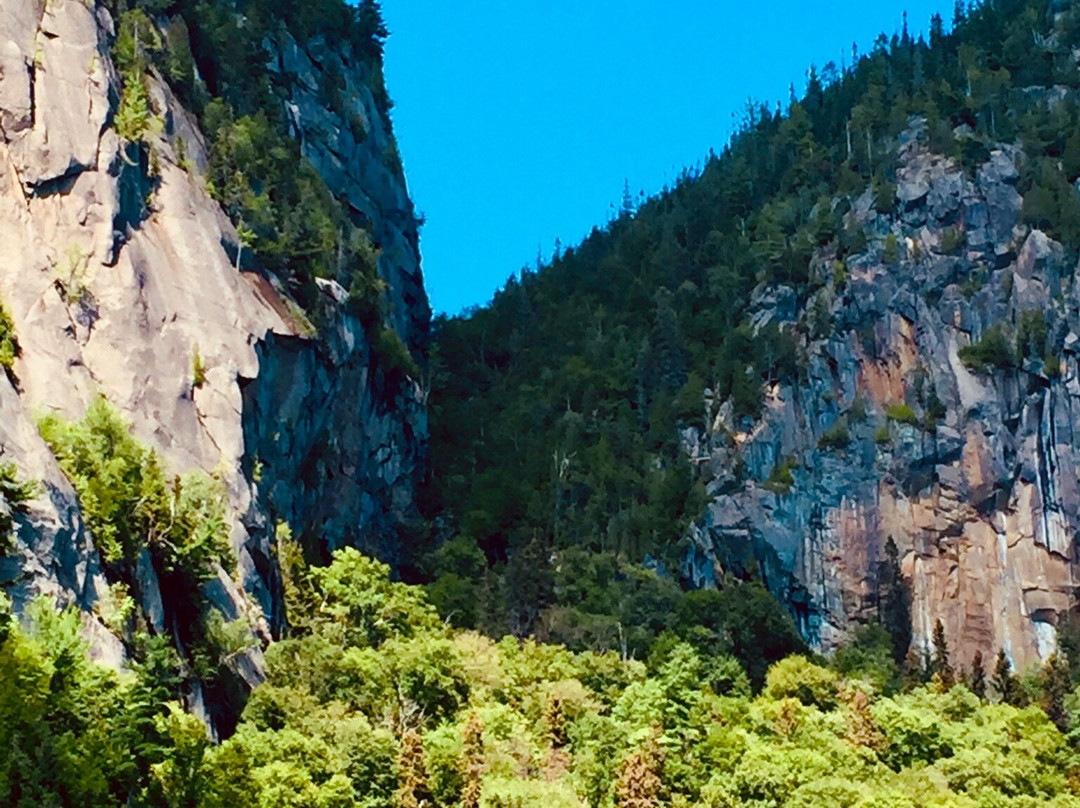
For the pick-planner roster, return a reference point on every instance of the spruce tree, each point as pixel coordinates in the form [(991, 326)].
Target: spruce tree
[(894, 611), (942, 668), (978, 676), (1003, 681), (912, 672), (1055, 687)]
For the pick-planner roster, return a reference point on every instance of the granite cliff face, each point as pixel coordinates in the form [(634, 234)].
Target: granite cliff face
[(889, 434), (301, 425)]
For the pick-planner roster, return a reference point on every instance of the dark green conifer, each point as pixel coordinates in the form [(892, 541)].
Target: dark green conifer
[(978, 676)]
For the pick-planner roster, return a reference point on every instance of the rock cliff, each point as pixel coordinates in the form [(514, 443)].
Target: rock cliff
[(968, 466), (216, 368)]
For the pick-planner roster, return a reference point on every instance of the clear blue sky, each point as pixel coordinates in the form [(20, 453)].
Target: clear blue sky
[(519, 120)]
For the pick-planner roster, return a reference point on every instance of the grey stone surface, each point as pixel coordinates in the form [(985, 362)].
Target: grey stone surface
[(984, 505), (107, 301)]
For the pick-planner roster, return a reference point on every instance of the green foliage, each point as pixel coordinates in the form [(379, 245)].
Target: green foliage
[(198, 369), (797, 677), (953, 240), (992, 352), (134, 118), (1032, 337), (869, 657), (137, 43), (835, 438), (357, 594), (9, 345), (902, 413), (890, 252), (780, 478), (374, 703), (15, 493), (121, 487), (281, 206), (393, 355), (128, 502)]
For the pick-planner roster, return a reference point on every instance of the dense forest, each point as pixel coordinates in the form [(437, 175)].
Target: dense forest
[(541, 647), (559, 472), (373, 701)]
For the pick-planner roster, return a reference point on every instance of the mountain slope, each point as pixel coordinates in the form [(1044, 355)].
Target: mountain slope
[(850, 327)]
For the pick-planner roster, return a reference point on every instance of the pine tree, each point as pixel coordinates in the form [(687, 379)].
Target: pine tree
[(942, 668), (1055, 687), (472, 763), (1003, 681), (412, 773), (894, 611), (978, 676), (369, 20)]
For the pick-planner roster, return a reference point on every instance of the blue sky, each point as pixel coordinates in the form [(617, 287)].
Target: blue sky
[(520, 120)]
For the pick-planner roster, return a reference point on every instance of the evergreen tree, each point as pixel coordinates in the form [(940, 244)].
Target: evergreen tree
[(5, 618), (894, 610), (371, 25), (941, 666), (1055, 687), (978, 676), (1003, 681), (530, 586)]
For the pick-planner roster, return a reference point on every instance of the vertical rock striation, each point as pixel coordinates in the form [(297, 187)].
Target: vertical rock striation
[(972, 472), (303, 428)]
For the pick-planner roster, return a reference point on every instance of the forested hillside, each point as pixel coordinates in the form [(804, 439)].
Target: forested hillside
[(584, 419), (372, 701)]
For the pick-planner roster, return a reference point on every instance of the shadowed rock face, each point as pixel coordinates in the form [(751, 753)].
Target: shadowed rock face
[(108, 301), (979, 491)]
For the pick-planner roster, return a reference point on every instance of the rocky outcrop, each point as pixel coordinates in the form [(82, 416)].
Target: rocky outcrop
[(112, 299), (889, 434)]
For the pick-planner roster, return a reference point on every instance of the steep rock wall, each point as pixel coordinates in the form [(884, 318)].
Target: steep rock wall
[(972, 475), (110, 300)]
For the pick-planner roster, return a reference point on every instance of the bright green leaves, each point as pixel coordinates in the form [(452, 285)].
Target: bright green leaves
[(9, 345), (359, 597), (137, 43), (127, 500), (120, 483)]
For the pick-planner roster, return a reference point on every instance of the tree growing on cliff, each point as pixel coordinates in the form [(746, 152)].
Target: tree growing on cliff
[(894, 603)]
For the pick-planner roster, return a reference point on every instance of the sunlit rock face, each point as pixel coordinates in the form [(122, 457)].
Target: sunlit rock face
[(112, 299), (973, 474)]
